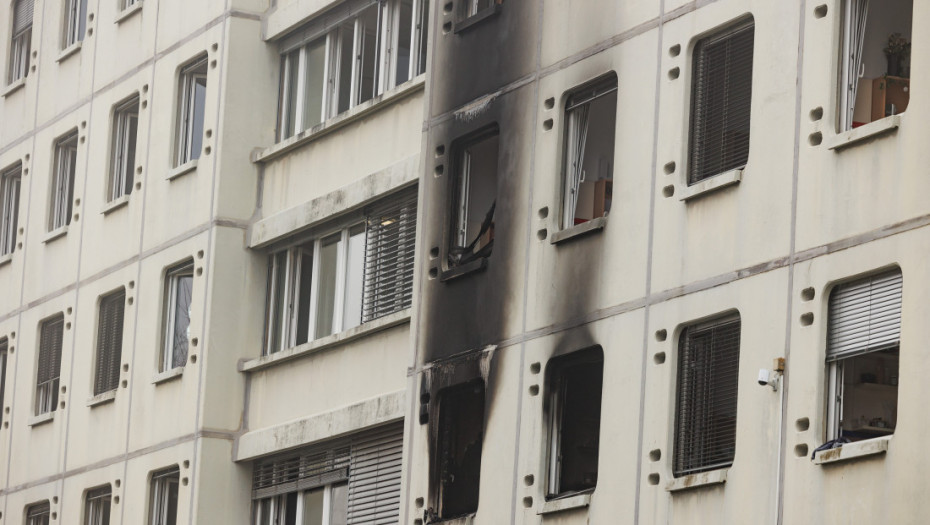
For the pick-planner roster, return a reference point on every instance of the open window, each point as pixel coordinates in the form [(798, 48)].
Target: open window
[(588, 164), (458, 449), (48, 367), (62, 191), (875, 61), (9, 207), (192, 99), (75, 22), (123, 148), (163, 497), (575, 383), (862, 357), (20, 40), (474, 196), (97, 506), (179, 287)]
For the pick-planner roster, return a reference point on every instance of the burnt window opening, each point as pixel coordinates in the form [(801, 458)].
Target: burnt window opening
[(474, 197), (863, 353), (708, 380), (575, 385), (588, 164), (460, 436), (721, 102)]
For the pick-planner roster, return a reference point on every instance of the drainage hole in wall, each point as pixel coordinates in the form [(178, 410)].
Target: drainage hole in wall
[(661, 335), (669, 168), (542, 234), (668, 191), (535, 368), (653, 479), (547, 124), (820, 11), (807, 319), (815, 139), (816, 114), (534, 390), (659, 358), (543, 212), (800, 450), (674, 73), (655, 455), (528, 480), (807, 294), (528, 502), (802, 424), (674, 51)]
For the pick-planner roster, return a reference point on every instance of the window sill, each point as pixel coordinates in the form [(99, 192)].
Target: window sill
[(102, 398), (464, 269), (128, 12), (68, 51), (187, 167), (864, 133), (468, 519), (41, 419), (168, 375), (115, 204), (13, 86), (711, 184), (850, 451), (594, 225), (324, 343), (694, 481), (363, 110), (476, 18), (55, 234), (578, 501), (6, 259)]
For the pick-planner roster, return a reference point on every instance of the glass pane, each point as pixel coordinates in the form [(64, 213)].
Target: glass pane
[(326, 284), (424, 30), (129, 159), (313, 507), (368, 57), (291, 70), (171, 507), (339, 504), (303, 297), (279, 306), (404, 30), (314, 81), (355, 268), (345, 67), (184, 285), (199, 100)]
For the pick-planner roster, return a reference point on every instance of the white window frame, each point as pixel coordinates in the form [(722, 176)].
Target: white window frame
[(126, 4), (46, 399), (161, 486), (97, 505), (125, 120), (190, 76), (278, 506), (74, 27), (10, 182), (62, 181), (20, 47), (172, 277), (38, 513)]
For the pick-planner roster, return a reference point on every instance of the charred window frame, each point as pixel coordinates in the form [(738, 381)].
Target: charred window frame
[(459, 442), (192, 99), (575, 384), (721, 102), (38, 513), (123, 148), (20, 40), (179, 290), (474, 196), (862, 358), (109, 341), (329, 67), (163, 497), (75, 23), (97, 506), (9, 207), (708, 380), (588, 159), (62, 188), (48, 366)]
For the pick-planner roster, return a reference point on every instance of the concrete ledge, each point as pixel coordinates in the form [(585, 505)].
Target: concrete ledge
[(461, 520), (464, 269), (168, 375), (711, 184), (35, 421), (321, 427), (6, 259), (68, 51), (693, 481), (13, 86), (578, 501), (55, 234), (115, 204), (863, 133), (187, 167), (594, 225), (128, 12), (100, 399), (850, 451)]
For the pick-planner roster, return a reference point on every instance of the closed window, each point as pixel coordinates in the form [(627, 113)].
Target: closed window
[(179, 286), (588, 166), (38, 513), (20, 40), (192, 97), (863, 343), (458, 449), (328, 67), (163, 500), (62, 189), (123, 153), (708, 377), (109, 341), (474, 196), (74, 22), (97, 506), (51, 333), (721, 100), (9, 208)]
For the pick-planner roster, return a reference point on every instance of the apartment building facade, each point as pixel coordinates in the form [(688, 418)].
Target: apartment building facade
[(470, 261)]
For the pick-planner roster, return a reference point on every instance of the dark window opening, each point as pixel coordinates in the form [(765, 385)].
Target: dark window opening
[(474, 197), (461, 431)]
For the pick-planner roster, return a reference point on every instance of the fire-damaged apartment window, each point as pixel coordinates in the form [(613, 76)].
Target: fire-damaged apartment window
[(588, 165), (574, 418), (708, 380), (457, 461), (348, 56), (862, 357), (342, 275), (875, 60), (350, 481), (474, 196)]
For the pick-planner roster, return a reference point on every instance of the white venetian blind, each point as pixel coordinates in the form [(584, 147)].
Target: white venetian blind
[(865, 316), (22, 15), (374, 477)]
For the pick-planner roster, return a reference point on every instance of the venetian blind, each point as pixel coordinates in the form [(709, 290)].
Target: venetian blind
[(109, 342), (22, 16), (50, 339), (389, 251), (375, 475), (865, 316)]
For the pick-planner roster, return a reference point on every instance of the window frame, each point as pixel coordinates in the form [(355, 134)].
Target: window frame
[(445, 444), (46, 392), (126, 4), (74, 23), (61, 196), (173, 275), (10, 186), (161, 484), (20, 44), (190, 76), (123, 148), (460, 192), (109, 347), (277, 505), (37, 513), (97, 505), (4, 356)]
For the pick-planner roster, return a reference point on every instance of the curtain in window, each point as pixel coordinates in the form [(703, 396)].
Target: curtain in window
[(857, 15), (577, 136)]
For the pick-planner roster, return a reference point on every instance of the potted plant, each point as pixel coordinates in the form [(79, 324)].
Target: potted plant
[(897, 52)]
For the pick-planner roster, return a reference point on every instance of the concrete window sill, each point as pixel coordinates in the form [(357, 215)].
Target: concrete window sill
[(577, 501), (68, 51), (12, 87), (694, 481), (578, 230), (102, 398), (187, 167), (55, 234), (115, 204), (864, 133), (6, 259), (850, 451), (41, 419), (129, 11), (464, 269), (461, 520), (323, 343), (477, 18), (168, 375), (711, 184)]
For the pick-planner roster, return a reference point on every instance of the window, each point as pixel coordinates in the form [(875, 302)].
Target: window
[(97, 506), (126, 4), (862, 357), (191, 102), (461, 431), (354, 480), (875, 61), (51, 332), (9, 208), (109, 342), (21, 41), (474, 197), (63, 181), (471, 8), (38, 513), (75, 22), (163, 504), (574, 412), (4, 352), (329, 67), (333, 282), (123, 153), (179, 286), (590, 120), (708, 377), (721, 100)]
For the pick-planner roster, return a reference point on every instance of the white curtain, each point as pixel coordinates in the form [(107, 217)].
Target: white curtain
[(574, 154), (857, 15)]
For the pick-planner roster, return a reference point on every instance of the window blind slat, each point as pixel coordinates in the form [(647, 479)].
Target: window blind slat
[(22, 15), (389, 255), (865, 315)]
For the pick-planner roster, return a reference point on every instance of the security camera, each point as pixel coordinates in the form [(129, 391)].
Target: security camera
[(769, 378), (764, 376)]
